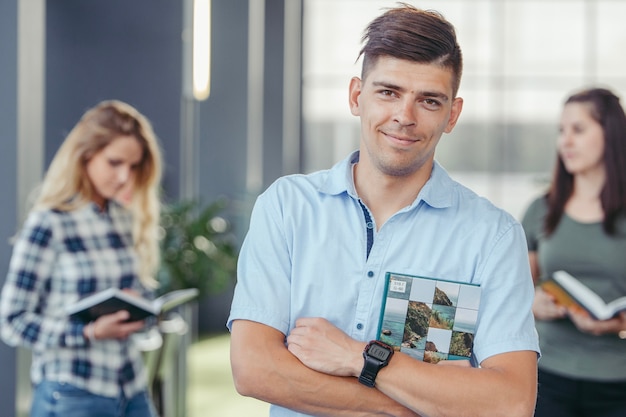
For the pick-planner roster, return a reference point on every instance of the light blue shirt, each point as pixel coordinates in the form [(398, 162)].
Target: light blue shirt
[(305, 256)]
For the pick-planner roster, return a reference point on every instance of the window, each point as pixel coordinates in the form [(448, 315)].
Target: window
[(521, 59)]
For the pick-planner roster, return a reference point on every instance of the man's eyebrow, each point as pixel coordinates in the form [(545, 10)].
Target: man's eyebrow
[(387, 85), (429, 94), (435, 94)]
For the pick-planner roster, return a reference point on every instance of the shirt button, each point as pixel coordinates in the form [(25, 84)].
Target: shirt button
[(359, 326), (370, 273), (370, 225)]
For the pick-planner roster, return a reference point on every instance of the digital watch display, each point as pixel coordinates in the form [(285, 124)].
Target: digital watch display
[(376, 356)]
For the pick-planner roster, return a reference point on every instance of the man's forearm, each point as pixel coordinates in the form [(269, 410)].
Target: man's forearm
[(505, 387), (269, 372)]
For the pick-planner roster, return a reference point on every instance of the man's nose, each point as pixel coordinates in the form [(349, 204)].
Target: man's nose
[(405, 113)]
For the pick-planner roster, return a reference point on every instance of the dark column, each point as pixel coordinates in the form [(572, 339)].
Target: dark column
[(116, 49), (248, 129), (8, 184)]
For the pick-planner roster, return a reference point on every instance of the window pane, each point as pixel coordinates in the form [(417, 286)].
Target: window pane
[(521, 59)]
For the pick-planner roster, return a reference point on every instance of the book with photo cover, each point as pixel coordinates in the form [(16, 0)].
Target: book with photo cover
[(114, 299), (429, 319), (571, 293)]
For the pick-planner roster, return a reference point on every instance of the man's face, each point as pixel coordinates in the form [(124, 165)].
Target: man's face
[(404, 108)]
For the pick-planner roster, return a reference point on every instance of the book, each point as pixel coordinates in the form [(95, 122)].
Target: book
[(429, 319), (114, 299), (571, 293)]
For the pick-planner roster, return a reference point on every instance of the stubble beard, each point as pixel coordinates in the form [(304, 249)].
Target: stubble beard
[(398, 167)]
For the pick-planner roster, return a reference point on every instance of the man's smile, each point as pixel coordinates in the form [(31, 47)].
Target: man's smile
[(399, 138)]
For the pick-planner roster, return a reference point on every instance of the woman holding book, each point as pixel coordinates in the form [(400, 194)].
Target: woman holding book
[(579, 226), (78, 240)]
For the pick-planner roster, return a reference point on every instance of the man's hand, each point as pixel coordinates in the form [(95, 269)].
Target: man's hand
[(321, 346), (273, 374)]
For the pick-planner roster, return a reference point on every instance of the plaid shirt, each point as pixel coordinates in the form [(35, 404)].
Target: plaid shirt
[(58, 258)]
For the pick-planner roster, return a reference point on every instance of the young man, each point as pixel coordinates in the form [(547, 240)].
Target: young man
[(312, 267)]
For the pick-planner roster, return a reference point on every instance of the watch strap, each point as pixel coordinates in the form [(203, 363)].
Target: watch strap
[(370, 369), (373, 364)]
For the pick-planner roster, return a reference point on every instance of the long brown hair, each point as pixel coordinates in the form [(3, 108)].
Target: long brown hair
[(604, 108)]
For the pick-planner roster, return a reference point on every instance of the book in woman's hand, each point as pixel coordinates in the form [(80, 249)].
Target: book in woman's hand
[(112, 300), (571, 293)]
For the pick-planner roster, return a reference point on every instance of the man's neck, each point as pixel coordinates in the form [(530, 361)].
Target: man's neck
[(385, 195)]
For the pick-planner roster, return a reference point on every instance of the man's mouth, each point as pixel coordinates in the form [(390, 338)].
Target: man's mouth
[(402, 139)]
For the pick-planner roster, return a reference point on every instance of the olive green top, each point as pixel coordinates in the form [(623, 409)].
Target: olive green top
[(599, 261)]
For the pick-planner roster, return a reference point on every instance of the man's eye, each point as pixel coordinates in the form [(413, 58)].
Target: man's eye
[(431, 104)]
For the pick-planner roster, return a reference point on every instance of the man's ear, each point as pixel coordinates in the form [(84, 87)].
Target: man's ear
[(354, 94), (455, 112)]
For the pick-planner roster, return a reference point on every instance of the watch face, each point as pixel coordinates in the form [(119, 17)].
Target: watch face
[(378, 352)]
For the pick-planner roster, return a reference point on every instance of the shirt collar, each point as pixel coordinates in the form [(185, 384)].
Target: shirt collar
[(340, 177), (435, 193)]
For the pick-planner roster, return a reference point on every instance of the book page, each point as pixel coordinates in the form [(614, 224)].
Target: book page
[(583, 295)]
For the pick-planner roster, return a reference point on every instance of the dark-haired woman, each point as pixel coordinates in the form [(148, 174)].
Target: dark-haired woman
[(580, 226)]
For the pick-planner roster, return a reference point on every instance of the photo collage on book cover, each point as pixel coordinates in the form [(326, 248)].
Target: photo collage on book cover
[(429, 319)]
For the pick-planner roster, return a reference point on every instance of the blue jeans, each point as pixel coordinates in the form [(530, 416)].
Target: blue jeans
[(58, 399), (566, 397)]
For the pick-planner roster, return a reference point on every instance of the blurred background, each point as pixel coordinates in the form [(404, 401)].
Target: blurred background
[(243, 91)]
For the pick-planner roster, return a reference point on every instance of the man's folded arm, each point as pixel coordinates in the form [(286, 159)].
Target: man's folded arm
[(263, 368)]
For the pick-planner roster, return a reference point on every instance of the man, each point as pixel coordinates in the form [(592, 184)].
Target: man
[(312, 267)]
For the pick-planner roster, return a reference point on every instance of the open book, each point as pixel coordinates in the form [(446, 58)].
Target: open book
[(429, 319), (113, 299), (570, 292)]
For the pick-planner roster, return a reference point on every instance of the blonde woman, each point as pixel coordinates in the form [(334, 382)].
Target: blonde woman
[(77, 240)]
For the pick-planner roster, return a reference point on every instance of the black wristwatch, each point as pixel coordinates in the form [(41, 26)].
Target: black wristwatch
[(377, 355)]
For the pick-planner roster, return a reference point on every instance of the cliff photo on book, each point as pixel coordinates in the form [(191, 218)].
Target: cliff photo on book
[(429, 319)]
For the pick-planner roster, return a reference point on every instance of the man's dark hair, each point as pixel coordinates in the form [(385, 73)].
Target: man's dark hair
[(409, 33)]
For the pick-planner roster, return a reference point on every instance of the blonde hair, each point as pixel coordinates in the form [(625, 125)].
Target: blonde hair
[(67, 187)]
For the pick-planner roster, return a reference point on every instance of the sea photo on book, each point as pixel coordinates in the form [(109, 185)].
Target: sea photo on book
[(429, 319)]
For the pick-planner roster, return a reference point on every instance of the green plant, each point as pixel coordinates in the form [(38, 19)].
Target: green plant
[(197, 247)]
